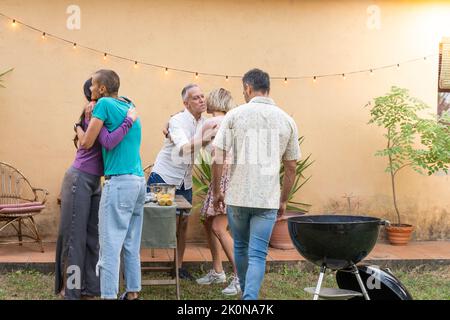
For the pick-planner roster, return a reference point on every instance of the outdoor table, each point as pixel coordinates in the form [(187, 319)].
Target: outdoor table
[(183, 206), (159, 226), (160, 230)]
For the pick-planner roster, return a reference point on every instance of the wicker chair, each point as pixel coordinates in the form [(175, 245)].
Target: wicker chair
[(147, 171), (19, 203)]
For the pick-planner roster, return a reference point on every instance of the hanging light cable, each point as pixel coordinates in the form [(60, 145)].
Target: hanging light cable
[(181, 70)]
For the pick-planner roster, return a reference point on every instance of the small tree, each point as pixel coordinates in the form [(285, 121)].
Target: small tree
[(412, 141), (1, 75)]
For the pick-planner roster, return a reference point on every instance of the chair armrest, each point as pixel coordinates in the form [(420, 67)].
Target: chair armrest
[(45, 193), (22, 210)]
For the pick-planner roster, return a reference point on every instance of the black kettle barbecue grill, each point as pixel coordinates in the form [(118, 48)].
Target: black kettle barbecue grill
[(339, 242)]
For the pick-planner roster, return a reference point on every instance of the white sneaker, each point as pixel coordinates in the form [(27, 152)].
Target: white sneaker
[(213, 277), (233, 288)]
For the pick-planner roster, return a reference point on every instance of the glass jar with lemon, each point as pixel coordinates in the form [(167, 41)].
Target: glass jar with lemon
[(163, 194)]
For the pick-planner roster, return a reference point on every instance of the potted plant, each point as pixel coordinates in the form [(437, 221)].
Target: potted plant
[(202, 176), (1, 75), (280, 236), (411, 141)]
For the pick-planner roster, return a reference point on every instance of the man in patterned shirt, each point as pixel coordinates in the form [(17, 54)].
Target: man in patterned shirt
[(260, 135)]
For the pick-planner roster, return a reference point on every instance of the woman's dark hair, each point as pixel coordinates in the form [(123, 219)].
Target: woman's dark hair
[(87, 94), (87, 89)]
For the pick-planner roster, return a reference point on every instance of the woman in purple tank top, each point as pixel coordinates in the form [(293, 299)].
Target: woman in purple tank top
[(77, 246)]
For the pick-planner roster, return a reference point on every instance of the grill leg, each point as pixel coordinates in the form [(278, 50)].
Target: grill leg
[(360, 282), (319, 283)]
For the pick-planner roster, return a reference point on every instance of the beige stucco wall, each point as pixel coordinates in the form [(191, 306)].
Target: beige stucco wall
[(43, 96)]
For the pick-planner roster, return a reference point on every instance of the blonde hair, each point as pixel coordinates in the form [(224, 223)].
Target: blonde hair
[(220, 100)]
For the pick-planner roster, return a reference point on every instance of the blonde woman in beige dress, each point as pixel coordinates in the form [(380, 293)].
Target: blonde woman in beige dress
[(219, 102)]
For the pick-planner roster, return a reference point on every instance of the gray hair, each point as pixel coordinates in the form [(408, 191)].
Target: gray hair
[(184, 92)]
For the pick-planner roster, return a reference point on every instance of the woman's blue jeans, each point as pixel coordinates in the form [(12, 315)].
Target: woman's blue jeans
[(251, 229)]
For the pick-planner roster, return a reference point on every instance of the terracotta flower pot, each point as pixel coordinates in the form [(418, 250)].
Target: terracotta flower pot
[(399, 235), (280, 238)]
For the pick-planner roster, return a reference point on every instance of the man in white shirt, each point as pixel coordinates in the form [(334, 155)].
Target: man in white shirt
[(261, 135), (174, 162)]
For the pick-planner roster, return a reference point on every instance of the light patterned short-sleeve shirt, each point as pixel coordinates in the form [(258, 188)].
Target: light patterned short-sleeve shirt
[(260, 135)]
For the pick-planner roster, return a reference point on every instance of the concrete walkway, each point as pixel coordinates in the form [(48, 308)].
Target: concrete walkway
[(416, 253)]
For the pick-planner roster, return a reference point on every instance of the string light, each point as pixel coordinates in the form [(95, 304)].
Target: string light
[(167, 71), (46, 35)]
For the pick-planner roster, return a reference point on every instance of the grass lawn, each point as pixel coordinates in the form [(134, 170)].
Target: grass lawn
[(287, 282)]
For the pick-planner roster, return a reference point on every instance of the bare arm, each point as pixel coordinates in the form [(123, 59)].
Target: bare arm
[(217, 170), (288, 182), (197, 142), (92, 132)]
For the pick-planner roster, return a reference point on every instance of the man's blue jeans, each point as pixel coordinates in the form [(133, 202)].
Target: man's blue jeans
[(120, 229), (251, 229)]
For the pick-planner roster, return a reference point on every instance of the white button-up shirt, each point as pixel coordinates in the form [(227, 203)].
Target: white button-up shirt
[(173, 168), (260, 135)]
